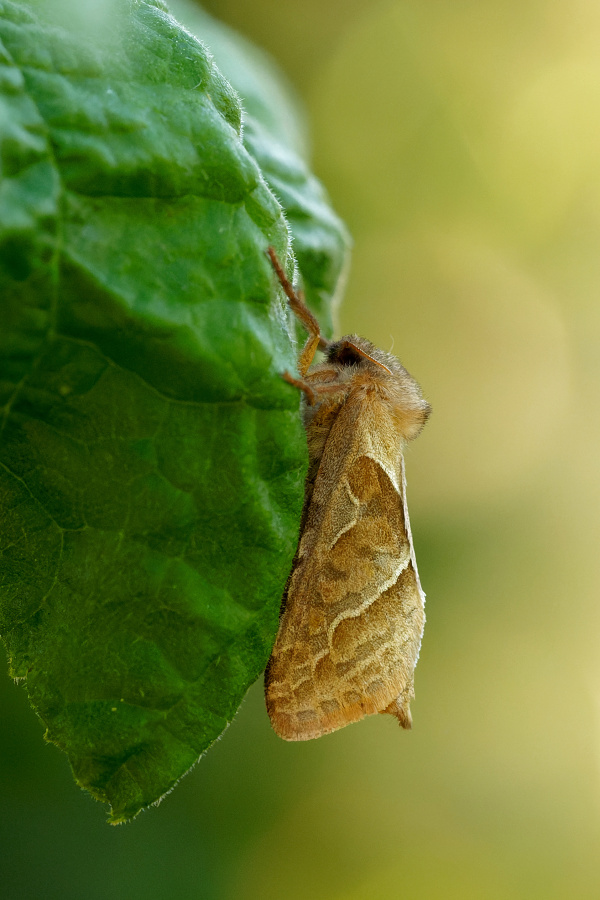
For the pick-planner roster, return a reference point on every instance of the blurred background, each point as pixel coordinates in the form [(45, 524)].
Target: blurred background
[(460, 141)]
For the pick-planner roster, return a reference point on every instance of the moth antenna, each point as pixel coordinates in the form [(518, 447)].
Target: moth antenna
[(366, 355)]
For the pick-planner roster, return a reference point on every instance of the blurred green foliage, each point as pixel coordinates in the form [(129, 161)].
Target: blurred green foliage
[(460, 142)]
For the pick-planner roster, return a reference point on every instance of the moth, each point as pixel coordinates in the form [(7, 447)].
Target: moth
[(352, 614)]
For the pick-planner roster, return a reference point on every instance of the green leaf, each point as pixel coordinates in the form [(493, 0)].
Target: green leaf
[(275, 135), (151, 456)]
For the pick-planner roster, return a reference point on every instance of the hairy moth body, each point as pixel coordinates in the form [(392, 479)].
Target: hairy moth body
[(352, 614)]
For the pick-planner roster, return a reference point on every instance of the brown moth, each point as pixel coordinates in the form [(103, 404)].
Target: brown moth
[(353, 610)]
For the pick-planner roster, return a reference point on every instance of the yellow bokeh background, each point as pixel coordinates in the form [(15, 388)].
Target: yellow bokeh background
[(460, 141)]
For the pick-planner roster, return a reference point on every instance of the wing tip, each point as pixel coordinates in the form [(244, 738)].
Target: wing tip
[(400, 708)]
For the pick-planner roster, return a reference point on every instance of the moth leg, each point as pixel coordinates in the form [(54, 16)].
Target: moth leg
[(323, 374), (299, 383), (301, 311), (314, 390)]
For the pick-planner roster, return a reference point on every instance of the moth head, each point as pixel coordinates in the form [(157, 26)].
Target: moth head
[(355, 351), (356, 355)]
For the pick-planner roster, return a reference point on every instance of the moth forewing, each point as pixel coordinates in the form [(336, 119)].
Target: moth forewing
[(353, 612)]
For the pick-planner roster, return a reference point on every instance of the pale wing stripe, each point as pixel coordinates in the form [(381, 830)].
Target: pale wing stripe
[(350, 524), (408, 531), (365, 663), (317, 658), (389, 472), (296, 684), (313, 664), (413, 558), (294, 687), (359, 610), (345, 615), (280, 690)]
